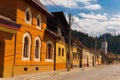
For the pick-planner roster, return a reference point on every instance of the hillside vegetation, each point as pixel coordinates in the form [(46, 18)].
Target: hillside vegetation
[(113, 41)]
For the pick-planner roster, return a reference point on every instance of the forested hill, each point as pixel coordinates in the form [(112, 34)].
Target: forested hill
[(113, 41), (84, 38)]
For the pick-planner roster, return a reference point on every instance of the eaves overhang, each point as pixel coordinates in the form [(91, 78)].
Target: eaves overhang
[(8, 25)]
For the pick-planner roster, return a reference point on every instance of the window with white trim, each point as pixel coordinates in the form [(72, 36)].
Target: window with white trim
[(37, 48), (39, 22), (49, 50), (26, 46), (28, 15)]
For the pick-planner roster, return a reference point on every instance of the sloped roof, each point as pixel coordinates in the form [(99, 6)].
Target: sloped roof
[(113, 56), (61, 16), (56, 36), (37, 4), (9, 23)]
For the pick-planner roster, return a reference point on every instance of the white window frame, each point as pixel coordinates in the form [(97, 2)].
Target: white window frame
[(50, 60), (39, 52), (29, 37), (40, 22), (30, 14)]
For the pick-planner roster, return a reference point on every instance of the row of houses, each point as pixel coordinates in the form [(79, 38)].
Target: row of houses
[(34, 40)]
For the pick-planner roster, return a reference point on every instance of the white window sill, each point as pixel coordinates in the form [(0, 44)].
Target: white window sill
[(48, 60), (37, 59), (26, 59), (39, 27), (28, 22)]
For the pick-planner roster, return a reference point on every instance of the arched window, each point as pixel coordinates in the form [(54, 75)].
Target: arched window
[(39, 22), (49, 50), (28, 15), (26, 46), (37, 48)]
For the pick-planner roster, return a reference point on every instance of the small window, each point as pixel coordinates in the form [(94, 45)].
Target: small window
[(59, 31), (37, 68), (28, 15), (59, 51), (38, 22), (25, 69), (78, 56), (62, 52)]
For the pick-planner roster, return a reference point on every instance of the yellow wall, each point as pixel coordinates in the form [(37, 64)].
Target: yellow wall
[(75, 49), (60, 60)]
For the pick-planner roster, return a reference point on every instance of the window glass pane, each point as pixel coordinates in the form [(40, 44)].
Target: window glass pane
[(27, 16), (38, 22), (49, 51), (26, 47), (37, 49), (62, 52), (59, 51)]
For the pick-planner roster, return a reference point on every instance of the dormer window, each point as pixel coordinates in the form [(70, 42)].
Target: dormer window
[(38, 22), (59, 31), (28, 16)]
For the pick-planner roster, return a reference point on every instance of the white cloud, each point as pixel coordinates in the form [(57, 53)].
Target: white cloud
[(92, 23), (96, 24), (87, 4), (93, 7), (94, 16)]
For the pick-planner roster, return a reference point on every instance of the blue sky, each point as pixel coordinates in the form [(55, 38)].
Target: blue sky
[(94, 17)]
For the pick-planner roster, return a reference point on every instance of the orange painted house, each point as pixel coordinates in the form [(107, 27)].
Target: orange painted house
[(8, 29), (32, 51)]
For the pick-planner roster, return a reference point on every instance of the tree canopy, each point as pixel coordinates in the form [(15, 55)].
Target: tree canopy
[(113, 41)]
